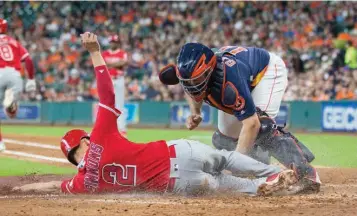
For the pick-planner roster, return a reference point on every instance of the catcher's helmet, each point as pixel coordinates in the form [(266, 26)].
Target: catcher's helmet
[(195, 64), (3, 26), (70, 141)]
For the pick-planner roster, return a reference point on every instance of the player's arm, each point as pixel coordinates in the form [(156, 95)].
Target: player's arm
[(53, 186), (106, 121), (239, 99), (195, 118), (248, 134), (30, 69), (104, 82)]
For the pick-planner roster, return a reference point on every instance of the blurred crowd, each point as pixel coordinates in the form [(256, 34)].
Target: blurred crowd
[(317, 41)]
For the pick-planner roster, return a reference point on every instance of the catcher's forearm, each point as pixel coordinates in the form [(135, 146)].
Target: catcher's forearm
[(195, 108), (248, 134)]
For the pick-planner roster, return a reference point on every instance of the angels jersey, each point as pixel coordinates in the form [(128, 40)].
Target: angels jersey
[(12, 53), (114, 164), (114, 57)]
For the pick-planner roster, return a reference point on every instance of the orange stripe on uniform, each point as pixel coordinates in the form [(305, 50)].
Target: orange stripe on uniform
[(214, 103), (259, 77)]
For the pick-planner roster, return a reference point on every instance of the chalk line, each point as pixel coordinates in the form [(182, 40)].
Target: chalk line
[(40, 157), (33, 144)]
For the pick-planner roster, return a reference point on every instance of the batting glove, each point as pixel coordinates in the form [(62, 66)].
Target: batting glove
[(30, 85)]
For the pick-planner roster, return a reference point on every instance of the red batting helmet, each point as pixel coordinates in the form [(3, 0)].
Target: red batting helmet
[(71, 141), (3, 26)]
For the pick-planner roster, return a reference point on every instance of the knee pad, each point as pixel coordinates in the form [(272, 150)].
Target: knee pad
[(221, 141)]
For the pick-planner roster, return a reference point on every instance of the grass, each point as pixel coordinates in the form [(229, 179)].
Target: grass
[(330, 150), (15, 167)]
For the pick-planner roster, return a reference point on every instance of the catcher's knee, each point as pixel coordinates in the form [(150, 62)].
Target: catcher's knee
[(221, 141)]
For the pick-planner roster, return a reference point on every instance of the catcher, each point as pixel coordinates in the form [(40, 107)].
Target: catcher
[(108, 162), (246, 85)]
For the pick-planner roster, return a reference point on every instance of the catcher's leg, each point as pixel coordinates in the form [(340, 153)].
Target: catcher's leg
[(285, 149)]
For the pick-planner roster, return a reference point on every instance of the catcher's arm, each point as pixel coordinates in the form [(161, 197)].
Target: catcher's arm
[(195, 118), (53, 186)]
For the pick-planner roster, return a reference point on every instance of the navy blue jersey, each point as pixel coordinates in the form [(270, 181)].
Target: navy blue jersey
[(238, 71)]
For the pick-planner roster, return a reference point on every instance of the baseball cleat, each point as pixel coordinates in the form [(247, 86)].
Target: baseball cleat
[(10, 106), (277, 182), (309, 184), (2, 146)]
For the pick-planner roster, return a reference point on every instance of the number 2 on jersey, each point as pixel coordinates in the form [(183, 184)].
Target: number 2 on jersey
[(6, 52), (118, 174)]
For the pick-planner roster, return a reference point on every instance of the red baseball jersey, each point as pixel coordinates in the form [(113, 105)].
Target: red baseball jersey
[(12, 53), (114, 57), (112, 163)]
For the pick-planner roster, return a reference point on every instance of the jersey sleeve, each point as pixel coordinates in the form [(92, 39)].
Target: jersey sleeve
[(242, 102), (22, 51), (106, 121), (74, 185)]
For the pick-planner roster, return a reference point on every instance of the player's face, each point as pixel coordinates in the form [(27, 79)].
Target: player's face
[(114, 45), (197, 86)]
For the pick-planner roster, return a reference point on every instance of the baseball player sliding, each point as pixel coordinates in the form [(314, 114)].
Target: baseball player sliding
[(108, 162), (246, 85), (12, 54)]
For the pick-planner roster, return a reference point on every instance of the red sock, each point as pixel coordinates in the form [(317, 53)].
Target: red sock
[(0, 137)]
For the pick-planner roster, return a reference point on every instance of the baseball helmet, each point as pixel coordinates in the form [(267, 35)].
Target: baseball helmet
[(3, 26), (195, 65), (70, 141)]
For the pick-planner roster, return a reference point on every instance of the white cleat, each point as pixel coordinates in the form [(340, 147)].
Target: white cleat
[(9, 98), (10, 106), (2, 146), (277, 182)]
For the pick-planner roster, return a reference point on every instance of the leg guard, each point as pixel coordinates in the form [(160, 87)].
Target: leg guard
[(284, 148), (306, 152), (221, 141), (260, 155)]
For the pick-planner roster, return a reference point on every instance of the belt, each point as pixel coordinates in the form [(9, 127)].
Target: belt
[(171, 185)]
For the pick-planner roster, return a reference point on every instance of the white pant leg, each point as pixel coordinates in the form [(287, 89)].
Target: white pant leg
[(10, 79), (267, 95), (200, 166), (229, 125), (119, 90)]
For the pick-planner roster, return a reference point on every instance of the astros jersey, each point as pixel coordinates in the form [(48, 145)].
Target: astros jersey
[(114, 57), (238, 71), (113, 163), (11, 52)]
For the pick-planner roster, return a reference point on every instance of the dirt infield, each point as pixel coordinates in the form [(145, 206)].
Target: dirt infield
[(338, 195)]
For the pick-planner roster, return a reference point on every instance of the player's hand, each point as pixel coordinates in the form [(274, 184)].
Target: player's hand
[(90, 42), (193, 121), (52, 186), (30, 85)]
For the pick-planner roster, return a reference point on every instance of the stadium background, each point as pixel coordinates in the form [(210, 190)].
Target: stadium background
[(317, 41)]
